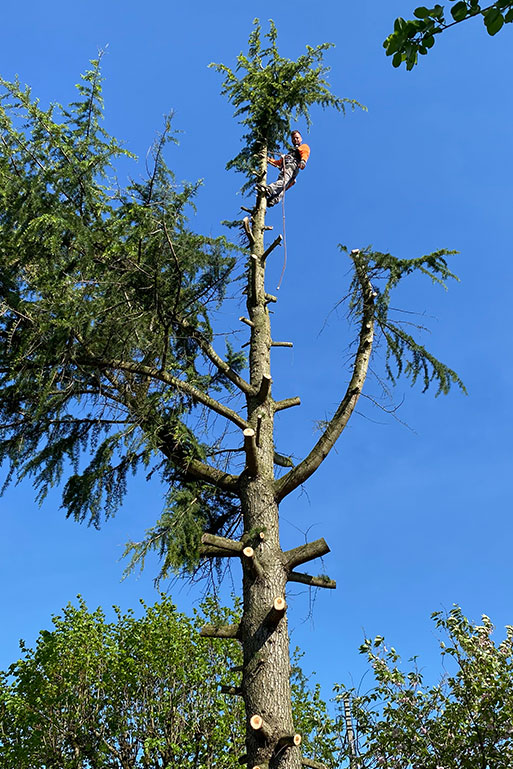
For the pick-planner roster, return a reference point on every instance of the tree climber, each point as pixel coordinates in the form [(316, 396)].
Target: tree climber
[(290, 165)]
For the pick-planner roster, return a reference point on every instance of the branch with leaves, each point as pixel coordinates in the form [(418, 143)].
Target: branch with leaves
[(412, 37)]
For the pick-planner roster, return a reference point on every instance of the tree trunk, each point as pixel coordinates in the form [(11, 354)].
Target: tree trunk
[(263, 632)]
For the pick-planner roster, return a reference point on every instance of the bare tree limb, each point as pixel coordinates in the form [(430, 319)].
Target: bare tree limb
[(305, 553), (162, 376), (307, 579), (287, 403), (220, 631)]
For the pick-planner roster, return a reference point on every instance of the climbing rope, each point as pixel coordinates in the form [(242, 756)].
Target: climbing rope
[(284, 236)]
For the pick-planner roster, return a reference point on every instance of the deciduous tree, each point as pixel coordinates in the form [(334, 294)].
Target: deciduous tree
[(134, 693), (462, 722)]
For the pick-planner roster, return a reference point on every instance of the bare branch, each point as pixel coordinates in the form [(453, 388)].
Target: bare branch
[(311, 764), (305, 553), (272, 247), (287, 403), (220, 631), (282, 461), (216, 359), (307, 579), (222, 543), (178, 384)]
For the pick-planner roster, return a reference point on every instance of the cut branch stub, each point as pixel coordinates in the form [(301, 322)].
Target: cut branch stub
[(222, 543), (220, 631), (282, 344), (252, 560), (305, 553), (251, 451), (260, 725), (276, 612), (232, 690), (311, 764), (265, 387), (209, 551), (272, 247), (287, 403), (288, 740), (308, 579)]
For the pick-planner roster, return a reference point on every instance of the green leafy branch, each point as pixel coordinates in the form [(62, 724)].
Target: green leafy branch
[(404, 354), (416, 36)]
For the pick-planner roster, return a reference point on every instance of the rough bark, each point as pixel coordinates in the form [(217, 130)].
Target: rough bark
[(265, 643), (271, 740)]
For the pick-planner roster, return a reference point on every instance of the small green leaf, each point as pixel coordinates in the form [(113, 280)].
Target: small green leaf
[(392, 44), (399, 24), (459, 11), (422, 12), (493, 21), (429, 41), (397, 59), (509, 16)]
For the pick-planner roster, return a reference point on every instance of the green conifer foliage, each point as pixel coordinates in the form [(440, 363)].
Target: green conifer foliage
[(106, 298)]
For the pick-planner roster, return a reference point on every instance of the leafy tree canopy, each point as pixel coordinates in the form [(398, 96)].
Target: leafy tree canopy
[(463, 722), (135, 693), (412, 37)]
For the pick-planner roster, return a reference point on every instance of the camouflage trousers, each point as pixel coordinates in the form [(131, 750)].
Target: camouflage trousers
[(275, 191)]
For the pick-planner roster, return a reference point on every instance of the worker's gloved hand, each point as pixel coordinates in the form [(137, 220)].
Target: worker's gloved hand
[(302, 165)]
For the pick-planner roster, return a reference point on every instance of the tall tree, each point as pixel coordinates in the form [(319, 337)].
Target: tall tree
[(412, 37), (107, 331)]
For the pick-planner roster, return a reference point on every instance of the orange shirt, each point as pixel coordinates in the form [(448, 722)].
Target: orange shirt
[(304, 154)]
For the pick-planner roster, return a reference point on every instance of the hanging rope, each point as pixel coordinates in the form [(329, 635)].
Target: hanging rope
[(284, 236)]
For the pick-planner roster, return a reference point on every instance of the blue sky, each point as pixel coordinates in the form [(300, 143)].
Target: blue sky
[(417, 510)]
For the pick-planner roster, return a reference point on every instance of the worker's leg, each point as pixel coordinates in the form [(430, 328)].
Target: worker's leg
[(276, 190)]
